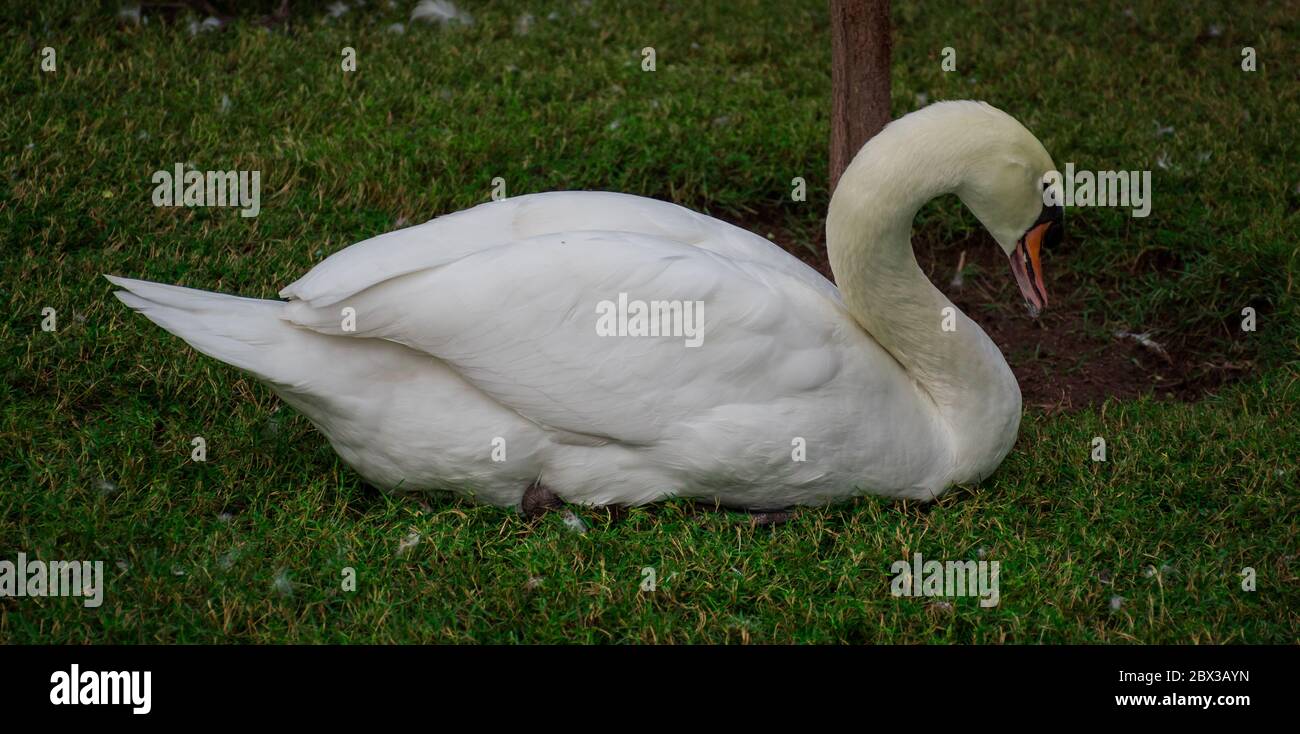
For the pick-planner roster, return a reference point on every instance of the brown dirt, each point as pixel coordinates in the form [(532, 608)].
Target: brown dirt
[(1064, 360)]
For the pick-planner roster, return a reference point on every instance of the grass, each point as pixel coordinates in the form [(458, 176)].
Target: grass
[(96, 417)]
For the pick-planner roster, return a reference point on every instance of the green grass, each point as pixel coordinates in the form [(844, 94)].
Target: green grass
[(1191, 494)]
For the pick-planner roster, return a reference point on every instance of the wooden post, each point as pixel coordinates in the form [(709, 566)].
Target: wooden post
[(860, 52)]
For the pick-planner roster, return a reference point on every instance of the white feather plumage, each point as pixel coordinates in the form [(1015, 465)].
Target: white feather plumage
[(477, 328)]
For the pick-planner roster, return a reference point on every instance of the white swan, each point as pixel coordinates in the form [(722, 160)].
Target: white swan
[(473, 362)]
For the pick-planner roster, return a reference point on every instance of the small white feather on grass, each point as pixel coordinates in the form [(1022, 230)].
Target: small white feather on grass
[(574, 523), (1145, 340), (283, 586), (407, 544), (440, 11), (229, 558), (210, 23)]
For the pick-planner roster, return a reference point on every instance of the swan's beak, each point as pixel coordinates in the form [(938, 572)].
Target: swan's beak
[(1028, 269)]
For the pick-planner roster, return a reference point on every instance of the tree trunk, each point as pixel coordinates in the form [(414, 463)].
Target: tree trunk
[(859, 77)]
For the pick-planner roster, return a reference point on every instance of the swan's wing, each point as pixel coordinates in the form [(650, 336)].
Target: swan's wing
[(520, 322), (451, 237)]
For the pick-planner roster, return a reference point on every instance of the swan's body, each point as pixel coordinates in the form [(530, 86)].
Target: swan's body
[(475, 365)]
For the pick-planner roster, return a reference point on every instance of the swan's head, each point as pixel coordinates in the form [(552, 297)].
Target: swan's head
[(980, 153), (1005, 183)]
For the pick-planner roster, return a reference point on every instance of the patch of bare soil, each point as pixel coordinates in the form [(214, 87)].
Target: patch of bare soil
[(1062, 361)]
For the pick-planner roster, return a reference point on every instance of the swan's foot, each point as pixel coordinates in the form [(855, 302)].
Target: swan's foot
[(539, 500), (757, 518), (770, 518)]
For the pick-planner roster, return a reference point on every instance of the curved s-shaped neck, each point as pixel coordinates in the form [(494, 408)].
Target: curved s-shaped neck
[(868, 234)]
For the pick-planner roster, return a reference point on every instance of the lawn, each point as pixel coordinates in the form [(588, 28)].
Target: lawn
[(97, 416)]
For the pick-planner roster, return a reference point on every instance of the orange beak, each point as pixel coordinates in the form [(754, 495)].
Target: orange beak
[(1027, 267)]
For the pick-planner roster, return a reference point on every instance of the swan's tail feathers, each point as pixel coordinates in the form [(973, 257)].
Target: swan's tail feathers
[(244, 332)]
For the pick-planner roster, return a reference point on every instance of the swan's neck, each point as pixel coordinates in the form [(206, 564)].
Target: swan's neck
[(868, 232)]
